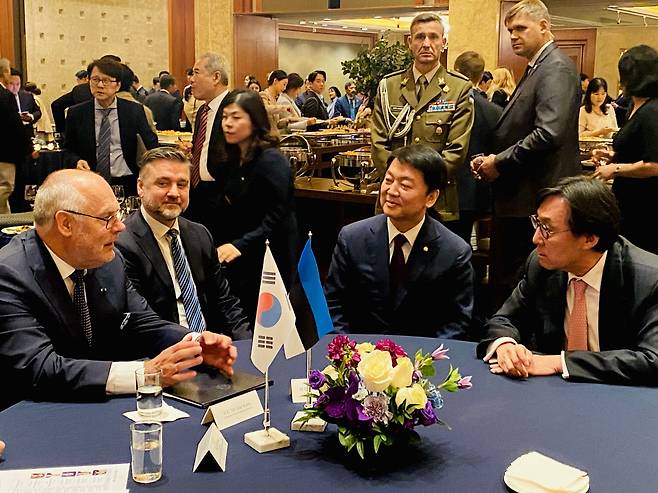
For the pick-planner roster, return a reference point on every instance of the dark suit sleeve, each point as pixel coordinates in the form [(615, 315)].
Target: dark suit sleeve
[(148, 136), (31, 107), (337, 285), (339, 110), (460, 304), (72, 136), (58, 108), (311, 108), (175, 116), (555, 92)]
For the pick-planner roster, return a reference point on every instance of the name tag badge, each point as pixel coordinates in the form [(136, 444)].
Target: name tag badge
[(441, 105)]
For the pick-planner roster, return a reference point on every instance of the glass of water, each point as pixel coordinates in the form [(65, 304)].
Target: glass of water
[(149, 392), (119, 193), (146, 451), (31, 194)]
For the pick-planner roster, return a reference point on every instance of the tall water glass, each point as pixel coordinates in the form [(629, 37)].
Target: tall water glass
[(146, 451), (149, 392)]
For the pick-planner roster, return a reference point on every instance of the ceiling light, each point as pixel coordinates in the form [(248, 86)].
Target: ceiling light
[(324, 25), (326, 19), (344, 27), (364, 28), (302, 22), (377, 17)]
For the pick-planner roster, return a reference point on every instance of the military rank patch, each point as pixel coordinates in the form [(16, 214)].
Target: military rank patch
[(441, 105)]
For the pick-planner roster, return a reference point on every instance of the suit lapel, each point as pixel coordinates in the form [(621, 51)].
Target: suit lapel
[(122, 114), (408, 88), (556, 296), (146, 240), (192, 250), (434, 88), (613, 299), (378, 252)]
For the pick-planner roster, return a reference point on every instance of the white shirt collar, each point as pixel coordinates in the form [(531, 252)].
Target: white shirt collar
[(594, 276), (534, 59), (429, 75), (159, 229), (65, 270), (217, 101), (410, 235), (112, 105)]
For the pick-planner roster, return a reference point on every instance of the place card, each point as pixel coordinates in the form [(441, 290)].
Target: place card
[(298, 389), (233, 411), (212, 450)]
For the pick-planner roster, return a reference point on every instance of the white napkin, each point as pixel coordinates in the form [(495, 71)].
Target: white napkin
[(167, 413), (536, 473)]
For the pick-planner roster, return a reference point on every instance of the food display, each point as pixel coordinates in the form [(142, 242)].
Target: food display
[(356, 167), (172, 137), (16, 230)]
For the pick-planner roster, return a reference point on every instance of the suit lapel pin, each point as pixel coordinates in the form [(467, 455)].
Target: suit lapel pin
[(404, 81), (442, 81), (425, 249), (103, 290), (446, 89)]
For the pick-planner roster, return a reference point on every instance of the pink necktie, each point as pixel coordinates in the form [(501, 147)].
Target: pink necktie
[(577, 324)]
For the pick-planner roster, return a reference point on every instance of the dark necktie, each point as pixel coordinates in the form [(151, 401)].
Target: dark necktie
[(103, 146), (527, 71), (197, 146), (80, 303), (188, 294), (422, 85), (398, 267)]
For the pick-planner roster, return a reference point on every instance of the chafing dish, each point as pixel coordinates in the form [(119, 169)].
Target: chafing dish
[(299, 152), (356, 167)]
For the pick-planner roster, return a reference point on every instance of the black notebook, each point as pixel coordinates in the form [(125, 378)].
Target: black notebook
[(211, 386)]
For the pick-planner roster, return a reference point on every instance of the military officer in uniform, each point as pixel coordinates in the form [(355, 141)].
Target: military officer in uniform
[(425, 104)]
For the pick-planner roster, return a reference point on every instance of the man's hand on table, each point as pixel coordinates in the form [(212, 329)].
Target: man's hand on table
[(218, 351), (175, 361), (515, 360), (227, 253)]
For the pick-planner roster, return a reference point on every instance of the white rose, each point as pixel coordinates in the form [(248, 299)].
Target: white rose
[(402, 373), (413, 397), (376, 370), (331, 372)]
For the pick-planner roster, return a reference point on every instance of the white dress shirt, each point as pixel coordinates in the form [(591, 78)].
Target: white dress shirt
[(121, 379), (160, 233), (118, 166), (410, 235), (213, 108)]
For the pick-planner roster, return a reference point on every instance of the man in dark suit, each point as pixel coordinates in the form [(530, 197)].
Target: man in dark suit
[(150, 255), (166, 108), (536, 140), (70, 321), (14, 142), (587, 302), (348, 104), (101, 134), (314, 105), (80, 93), (403, 272), (137, 90), (474, 195), (209, 84), (28, 109)]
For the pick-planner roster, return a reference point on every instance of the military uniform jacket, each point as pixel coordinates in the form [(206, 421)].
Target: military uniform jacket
[(442, 119)]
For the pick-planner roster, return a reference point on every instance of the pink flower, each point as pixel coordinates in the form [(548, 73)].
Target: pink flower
[(395, 350), (465, 383), (337, 348), (440, 353)]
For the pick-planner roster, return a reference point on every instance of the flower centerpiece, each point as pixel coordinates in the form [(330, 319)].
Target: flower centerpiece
[(376, 394)]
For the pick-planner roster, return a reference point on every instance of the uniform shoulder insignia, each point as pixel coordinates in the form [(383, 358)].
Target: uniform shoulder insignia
[(458, 75), (397, 72)]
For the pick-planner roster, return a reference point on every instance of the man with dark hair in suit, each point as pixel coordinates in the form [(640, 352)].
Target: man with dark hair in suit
[(474, 195), (70, 321), (166, 108), (14, 142), (588, 300), (137, 89), (28, 109), (209, 84), (348, 105), (403, 272), (101, 134), (79, 94), (535, 140), (171, 261), (314, 105)]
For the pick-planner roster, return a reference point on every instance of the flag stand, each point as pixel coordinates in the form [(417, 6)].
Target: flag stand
[(268, 438), (317, 425)]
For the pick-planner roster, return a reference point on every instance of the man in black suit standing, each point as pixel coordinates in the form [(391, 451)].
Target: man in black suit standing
[(314, 105), (166, 108), (137, 90), (535, 140), (14, 142), (588, 301), (71, 324), (209, 84), (80, 93), (28, 109), (101, 134), (171, 261)]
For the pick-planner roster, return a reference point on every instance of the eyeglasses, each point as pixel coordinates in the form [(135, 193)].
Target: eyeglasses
[(105, 80), (544, 230), (109, 220)]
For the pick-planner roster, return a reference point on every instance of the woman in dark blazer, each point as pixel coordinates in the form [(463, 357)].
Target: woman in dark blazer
[(634, 158), (257, 186)]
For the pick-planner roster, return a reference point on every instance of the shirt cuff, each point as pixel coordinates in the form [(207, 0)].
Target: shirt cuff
[(565, 371), (121, 379), (491, 350)]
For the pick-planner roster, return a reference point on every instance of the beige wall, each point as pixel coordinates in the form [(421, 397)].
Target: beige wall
[(62, 37), (609, 44), (474, 27), (304, 52), (213, 21)]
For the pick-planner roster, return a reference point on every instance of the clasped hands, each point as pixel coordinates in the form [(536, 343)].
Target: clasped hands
[(484, 167), (515, 360), (601, 157), (213, 349)]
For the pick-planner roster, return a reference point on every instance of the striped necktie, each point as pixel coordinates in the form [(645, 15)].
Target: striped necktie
[(80, 304), (197, 146), (577, 322), (103, 146), (188, 294)]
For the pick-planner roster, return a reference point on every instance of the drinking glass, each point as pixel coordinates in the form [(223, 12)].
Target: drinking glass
[(146, 451), (31, 194), (149, 392), (132, 203), (119, 193)]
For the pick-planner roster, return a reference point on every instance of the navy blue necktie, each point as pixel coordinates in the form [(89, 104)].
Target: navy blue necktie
[(398, 266), (188, 294), (103, 146), (80, 303)]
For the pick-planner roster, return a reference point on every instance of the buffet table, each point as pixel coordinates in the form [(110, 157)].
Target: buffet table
[(609, 431)]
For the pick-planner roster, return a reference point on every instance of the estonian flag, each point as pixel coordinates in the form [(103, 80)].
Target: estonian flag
[(312, 314)]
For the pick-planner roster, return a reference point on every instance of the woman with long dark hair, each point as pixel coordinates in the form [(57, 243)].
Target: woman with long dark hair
[(257, 187), (634, 158), (597, 118)]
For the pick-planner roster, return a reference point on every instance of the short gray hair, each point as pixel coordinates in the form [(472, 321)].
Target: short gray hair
[(56, 195), (534, 9), (161, 153), (216, 63), (5, 66), (427, 17)]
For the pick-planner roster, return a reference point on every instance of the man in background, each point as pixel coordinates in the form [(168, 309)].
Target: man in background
[(137, 89), (166, 108), (348, 104)]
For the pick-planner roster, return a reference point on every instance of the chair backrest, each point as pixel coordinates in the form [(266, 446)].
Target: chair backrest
[(17, 219)]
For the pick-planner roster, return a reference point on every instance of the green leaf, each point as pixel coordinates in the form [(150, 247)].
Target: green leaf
[(360, 449), (377, 442)]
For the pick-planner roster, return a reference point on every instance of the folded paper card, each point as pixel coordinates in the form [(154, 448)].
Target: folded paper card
[(536, 473)]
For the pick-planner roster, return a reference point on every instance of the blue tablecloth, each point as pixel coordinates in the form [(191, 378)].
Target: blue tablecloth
[(609, 431)]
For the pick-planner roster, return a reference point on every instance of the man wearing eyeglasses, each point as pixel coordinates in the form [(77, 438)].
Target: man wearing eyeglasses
[(101, 134), (587, 305), (71, 324)]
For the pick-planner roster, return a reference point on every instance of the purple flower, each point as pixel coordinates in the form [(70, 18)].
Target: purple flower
[(341, 403), (440, 353), (336, 348), (464, 383), (416, 376), (427, 416), (321, 401), (376, 407), (316, 379), (395, 350)]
